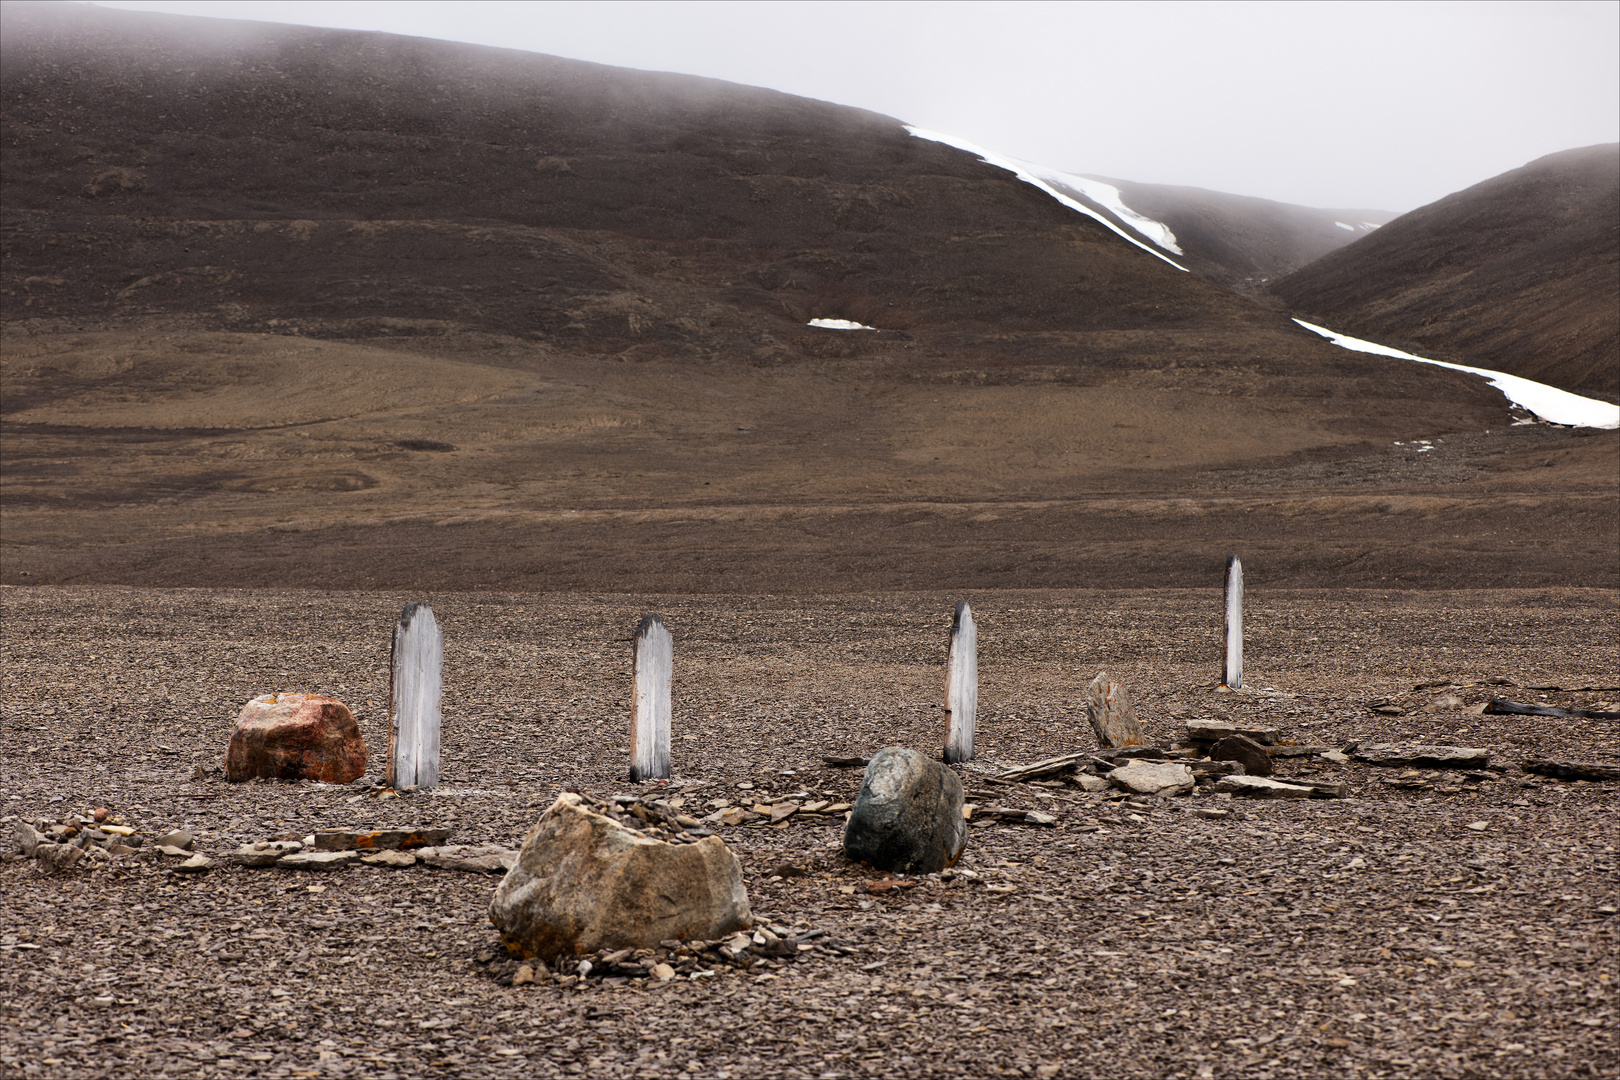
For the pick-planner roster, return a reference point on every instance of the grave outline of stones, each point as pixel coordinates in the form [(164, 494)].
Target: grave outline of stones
[(415, 688), (962, 686), (653, 653), (1232, 626)]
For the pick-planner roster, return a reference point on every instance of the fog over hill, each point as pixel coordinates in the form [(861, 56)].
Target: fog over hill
[(1520, 273)]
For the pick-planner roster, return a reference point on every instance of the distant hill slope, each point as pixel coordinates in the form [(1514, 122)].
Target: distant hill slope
[(1520, 273), (250, 177), (1243, 242)]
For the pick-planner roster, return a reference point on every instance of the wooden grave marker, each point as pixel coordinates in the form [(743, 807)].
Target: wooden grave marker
[(1232, 627), (962, 686), (413, 700), (649, 724)]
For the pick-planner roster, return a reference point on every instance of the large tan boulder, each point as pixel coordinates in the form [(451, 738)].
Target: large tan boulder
[(583, 882), (296, 737)]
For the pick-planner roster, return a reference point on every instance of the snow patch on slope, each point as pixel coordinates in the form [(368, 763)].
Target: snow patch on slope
[(838, 324), (1036, 175), (1109, 198), (1548, 402)]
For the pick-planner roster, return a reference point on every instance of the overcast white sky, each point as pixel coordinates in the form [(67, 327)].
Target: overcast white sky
[(1357, 105)]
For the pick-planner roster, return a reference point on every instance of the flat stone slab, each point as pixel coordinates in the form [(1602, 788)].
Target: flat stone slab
[(1298, 751), (1210, 731), (380, 840), (475, 858), (1259, 787), (1427, 757), (1593, 771), (1153, 777), (318, 860), (265, 852), (397, 860)]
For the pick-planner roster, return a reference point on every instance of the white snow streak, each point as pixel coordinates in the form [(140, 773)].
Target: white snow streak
[(1548, 402), (838, 324), (1032, 174), (1109, 198), (1346, 228)]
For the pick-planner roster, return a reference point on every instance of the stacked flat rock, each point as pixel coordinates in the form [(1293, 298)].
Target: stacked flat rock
[(585, 881), (1153, 777), (907, 818), (1254, 758), (296, 737)]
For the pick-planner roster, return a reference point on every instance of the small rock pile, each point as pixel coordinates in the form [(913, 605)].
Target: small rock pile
[(760, 951), (79, 841)]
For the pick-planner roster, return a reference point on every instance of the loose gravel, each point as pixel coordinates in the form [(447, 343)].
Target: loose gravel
[(1433, 923)]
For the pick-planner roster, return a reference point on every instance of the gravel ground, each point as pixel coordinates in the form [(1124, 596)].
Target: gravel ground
[(1379, 935)]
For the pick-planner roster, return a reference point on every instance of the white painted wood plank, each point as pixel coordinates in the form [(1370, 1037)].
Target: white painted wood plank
[(649, 726), (413, 700), (1232, 627), (962, 685)]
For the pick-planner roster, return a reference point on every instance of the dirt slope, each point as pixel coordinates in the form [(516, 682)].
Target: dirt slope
[(1520, 273)]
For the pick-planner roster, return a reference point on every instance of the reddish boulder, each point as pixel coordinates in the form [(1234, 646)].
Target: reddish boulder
[(296, 737)]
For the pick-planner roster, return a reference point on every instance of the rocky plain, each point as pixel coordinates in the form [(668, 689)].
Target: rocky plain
[(1433, 922)]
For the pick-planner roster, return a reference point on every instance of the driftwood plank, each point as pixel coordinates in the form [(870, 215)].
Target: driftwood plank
[(962, 686), (413, 699), (1232, 626), (649, 725)]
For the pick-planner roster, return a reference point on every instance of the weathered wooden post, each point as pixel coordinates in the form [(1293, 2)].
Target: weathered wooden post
[(1232, 628), (413, 700), (649, 725), (962, 685)]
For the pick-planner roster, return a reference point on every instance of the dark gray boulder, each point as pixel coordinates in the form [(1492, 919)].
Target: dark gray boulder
[(908, 816), (1250, 754)]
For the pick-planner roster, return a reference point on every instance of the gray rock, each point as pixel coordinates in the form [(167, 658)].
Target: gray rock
[(1093, 783), (318, 860), (24, 838), (1210, 731), (908, 816), (197, 864), (1336, 756), (1214, 770), (179, 838), (585, 883), (1250, 754), (265, 852), (1153, 777), (1427, 757), (475, 858), (56, 858), (1108, 708), (173, 852), (397, 860), (1258, 787)]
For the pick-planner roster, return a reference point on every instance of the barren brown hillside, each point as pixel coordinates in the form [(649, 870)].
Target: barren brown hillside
[(298, 307), (1520, 273)]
